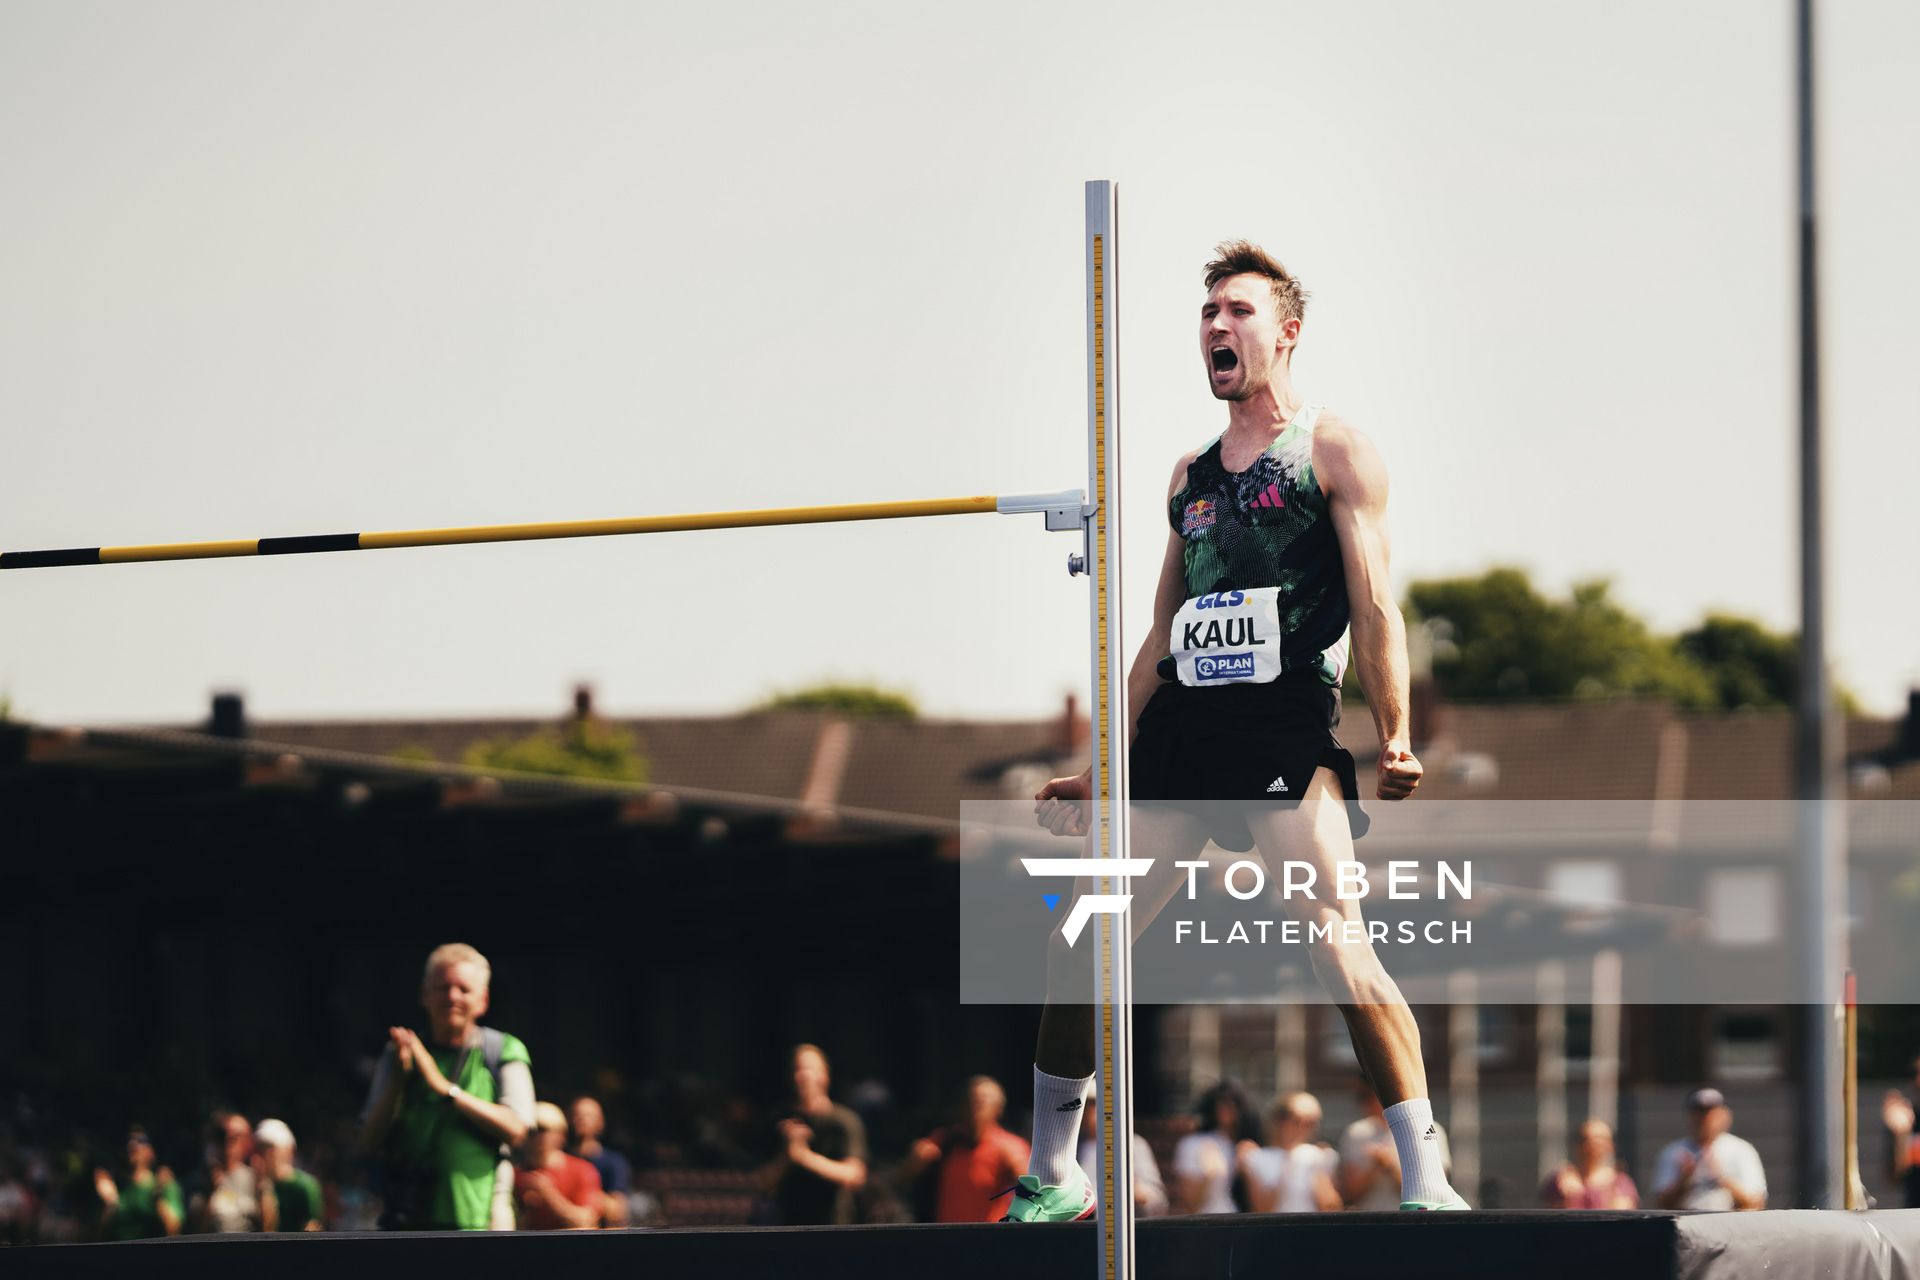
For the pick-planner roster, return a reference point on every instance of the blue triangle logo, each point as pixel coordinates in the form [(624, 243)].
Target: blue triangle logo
[(1051, 899)]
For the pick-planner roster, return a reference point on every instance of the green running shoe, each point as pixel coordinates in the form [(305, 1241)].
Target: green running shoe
[(1423, 1206), (1035, 1203)]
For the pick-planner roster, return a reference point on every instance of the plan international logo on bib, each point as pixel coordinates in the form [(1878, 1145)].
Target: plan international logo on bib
[(1225, 666)]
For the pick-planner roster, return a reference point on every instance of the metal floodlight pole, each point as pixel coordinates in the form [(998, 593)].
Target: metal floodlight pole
[(1819, 789)]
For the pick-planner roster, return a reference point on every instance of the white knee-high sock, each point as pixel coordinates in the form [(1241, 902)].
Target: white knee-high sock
[(1057, 1103), (1423, 1175)]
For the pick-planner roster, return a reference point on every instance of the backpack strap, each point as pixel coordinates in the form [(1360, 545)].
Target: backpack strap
[(493, 1046)]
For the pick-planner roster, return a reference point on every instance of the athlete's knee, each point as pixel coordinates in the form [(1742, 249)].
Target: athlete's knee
[(1058, 949), (1062, 954), (1341, 950)]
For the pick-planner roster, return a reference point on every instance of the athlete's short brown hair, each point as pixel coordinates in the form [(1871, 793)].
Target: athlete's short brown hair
[(1243, 257)]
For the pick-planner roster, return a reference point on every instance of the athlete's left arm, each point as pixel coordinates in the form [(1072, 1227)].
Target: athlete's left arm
[(1354, 479)]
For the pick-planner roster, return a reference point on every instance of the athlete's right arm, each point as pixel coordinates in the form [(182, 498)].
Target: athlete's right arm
[(1143, 680), (1054, 806)]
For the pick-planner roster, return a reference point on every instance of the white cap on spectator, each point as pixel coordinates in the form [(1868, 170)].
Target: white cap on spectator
[(273, 1133)]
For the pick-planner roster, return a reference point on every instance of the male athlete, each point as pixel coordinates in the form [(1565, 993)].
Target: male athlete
[(1279, 541)]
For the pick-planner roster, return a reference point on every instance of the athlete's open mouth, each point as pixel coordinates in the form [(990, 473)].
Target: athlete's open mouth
[(1224, 360)]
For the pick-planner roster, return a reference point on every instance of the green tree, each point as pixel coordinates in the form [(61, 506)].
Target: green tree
[(1749, 665), (847, 700), (584, 748), (1497, 638)]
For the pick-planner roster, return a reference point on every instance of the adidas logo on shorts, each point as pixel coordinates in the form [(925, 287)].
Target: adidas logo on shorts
[(1279, 786)]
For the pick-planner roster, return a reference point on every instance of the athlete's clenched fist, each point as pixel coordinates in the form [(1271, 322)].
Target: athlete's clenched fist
[(1057, 806), (1400, 771)]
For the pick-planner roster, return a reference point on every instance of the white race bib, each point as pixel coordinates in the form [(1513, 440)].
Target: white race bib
[(1228, 637)]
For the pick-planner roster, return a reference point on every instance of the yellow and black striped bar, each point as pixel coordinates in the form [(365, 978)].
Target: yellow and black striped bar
[(1048, 503)]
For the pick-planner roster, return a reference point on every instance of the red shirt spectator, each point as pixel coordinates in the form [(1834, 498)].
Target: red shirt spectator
[(1590, 1181), (976, 1175), (979, 1161), (577, 1181), (555, 1191)]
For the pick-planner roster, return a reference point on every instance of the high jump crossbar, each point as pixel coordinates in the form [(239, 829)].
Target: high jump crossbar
[(1064, 511)]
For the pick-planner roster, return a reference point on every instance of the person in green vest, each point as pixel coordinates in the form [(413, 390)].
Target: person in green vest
[(294, 1202), (148, 1204), (443, 1109)]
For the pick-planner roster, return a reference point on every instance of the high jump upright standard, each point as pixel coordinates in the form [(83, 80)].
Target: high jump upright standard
[(1107, 829)]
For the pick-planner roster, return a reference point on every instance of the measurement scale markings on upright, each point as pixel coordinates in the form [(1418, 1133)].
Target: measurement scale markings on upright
[(1108, 799)]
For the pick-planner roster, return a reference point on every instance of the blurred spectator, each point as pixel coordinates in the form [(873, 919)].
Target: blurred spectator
[(346, 1181), (732, 1133), (439, 1109), (588, 1123), (1293, 1173), (555, 1191), (19, 1207), (148, 1204), (978, 1161), (1203, 1161), (1369, 1164), (227, 1198), (824, 1160), (63, 1180), (1896, 1112), (292, 1201), (872, 1101), (1590, 1181), (1149, 1188), (1709, 1168)]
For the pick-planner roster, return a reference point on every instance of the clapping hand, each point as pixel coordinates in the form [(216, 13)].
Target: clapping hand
[(414, 1056), (797, 1134)]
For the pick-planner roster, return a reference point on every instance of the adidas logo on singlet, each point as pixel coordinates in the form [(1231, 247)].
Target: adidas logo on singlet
[(1279, 786)]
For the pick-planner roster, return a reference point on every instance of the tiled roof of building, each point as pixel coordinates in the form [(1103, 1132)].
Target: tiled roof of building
[(927, 768), (924, 768), (1625, 751)]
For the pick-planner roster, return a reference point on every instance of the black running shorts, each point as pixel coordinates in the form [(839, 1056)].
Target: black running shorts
[(1204, 749)]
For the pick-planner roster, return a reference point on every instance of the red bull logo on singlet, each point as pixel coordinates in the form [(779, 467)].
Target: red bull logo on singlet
[(1200, 515)]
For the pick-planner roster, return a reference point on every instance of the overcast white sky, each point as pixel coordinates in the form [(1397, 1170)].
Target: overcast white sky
[(312, 268)]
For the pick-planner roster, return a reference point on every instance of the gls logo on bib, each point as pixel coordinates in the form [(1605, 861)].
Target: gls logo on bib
[(1228, 637)]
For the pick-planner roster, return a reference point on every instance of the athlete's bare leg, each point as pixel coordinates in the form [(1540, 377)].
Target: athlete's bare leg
[(1385, 1037), (1065, 1043)]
